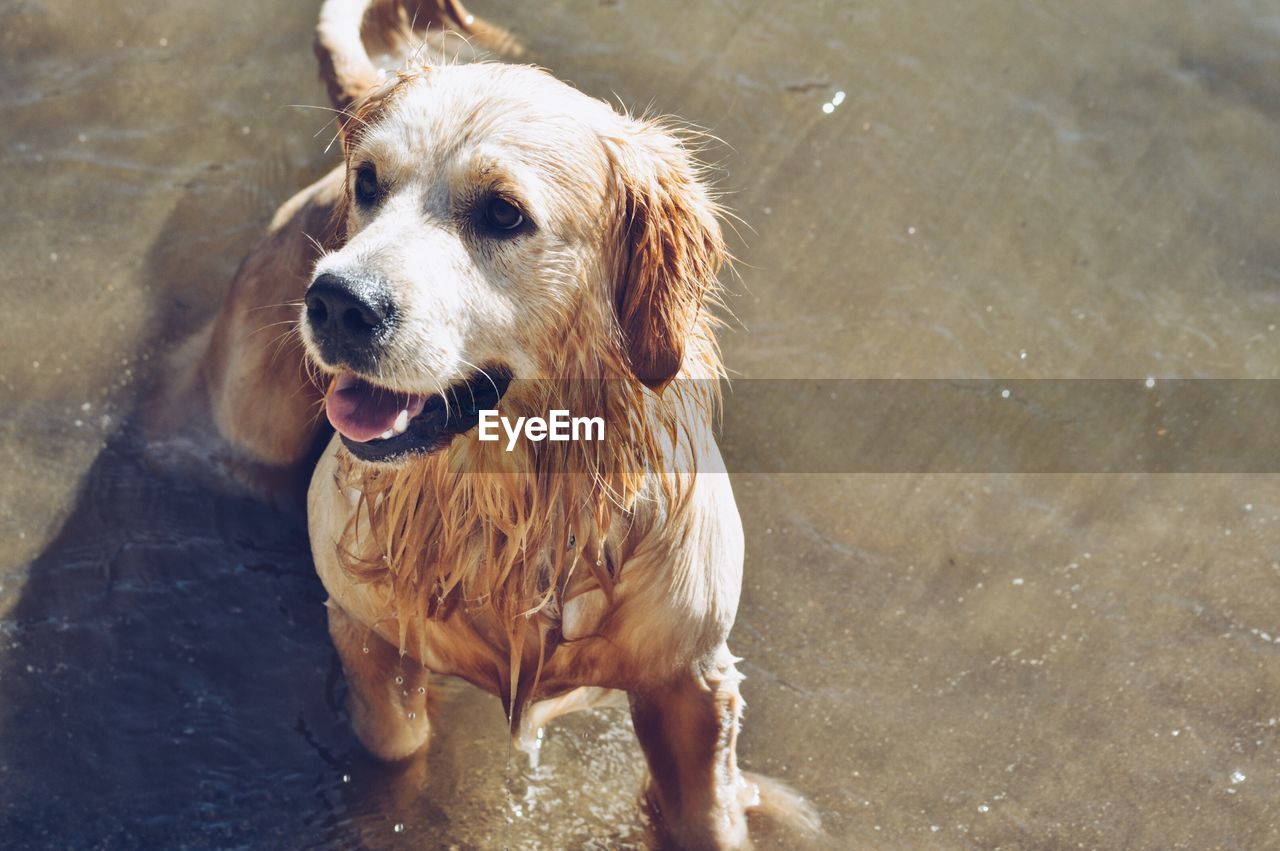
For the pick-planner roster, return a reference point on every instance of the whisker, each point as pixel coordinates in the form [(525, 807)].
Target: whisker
[(492, 383), (342, 112), (331, 141), (269, 325), (281, 341), (293, 304), (323, 251)]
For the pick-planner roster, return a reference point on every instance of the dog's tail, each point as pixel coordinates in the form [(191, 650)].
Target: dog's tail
[(348, 27)]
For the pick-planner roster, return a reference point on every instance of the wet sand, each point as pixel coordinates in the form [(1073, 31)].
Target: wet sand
[(973, 660)]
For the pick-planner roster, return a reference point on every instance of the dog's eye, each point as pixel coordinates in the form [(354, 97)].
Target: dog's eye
[(367, 188), (502, 215)]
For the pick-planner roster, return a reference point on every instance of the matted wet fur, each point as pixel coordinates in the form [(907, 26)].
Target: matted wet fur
[(560, 571)]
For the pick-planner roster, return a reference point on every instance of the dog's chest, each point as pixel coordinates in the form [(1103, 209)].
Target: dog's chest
[(467, 642)]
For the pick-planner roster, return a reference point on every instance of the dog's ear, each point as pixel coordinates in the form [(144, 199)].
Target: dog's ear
[(669, 249), (362, 112)]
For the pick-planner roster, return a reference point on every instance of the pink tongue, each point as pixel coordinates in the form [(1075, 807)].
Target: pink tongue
[(361, 412)]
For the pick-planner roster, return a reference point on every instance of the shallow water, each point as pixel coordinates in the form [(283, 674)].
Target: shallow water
[(975, 660)]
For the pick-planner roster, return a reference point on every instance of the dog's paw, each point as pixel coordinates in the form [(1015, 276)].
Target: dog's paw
[(779, 816)]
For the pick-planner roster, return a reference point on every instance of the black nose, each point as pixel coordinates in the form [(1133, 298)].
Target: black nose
[(346, 314)]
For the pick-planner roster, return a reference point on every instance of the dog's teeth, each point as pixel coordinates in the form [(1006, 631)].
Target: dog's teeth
[(401, 423), (387, 435)]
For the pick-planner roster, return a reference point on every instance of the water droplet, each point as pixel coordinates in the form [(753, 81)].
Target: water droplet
[(399, 828), (828, 108), (1237, 776), (412, 715), (1018, 581), (1004, 394), (422, 689), (366, 649), (1151, 382), (346, 778), (982, 808), (399, 681)]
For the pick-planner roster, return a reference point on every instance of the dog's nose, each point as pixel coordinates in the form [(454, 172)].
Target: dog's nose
[(346, 313)]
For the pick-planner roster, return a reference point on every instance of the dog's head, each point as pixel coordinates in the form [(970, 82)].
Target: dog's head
[(500, 224)]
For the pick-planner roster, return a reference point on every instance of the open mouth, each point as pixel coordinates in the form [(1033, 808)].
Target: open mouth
[(377, 424)]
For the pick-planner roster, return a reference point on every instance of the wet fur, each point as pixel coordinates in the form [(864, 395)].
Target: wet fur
[(551, 575)]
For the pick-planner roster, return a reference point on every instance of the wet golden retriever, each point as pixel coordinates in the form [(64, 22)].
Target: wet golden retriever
[(496, 239)]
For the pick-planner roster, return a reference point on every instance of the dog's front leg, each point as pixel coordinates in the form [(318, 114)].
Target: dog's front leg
[(387, 694), (688, 729)]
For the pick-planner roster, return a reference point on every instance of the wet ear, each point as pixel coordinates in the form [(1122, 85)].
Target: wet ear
[(362, 112), (669, 246)]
